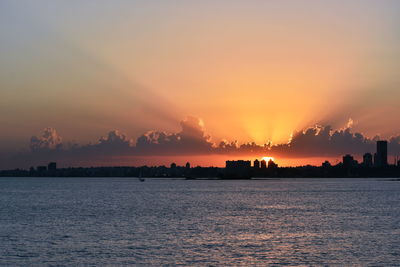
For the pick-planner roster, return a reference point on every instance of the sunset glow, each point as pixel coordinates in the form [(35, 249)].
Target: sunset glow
[(268, 159), (252, 71), (199, 133)]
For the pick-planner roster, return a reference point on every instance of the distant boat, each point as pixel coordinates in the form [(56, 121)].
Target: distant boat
[(140, 177)]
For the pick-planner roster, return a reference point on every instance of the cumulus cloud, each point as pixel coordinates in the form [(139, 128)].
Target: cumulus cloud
[(190, 140), (316, 141), (114, 143), (324, 141), (49, 140), (115, 139), (227, 146)]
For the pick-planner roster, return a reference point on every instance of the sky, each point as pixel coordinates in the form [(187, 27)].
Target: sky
[(74, 72)]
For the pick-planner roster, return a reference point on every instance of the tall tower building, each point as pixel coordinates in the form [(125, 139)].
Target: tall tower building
[(348, 161), (263, 164), (52, 166), (381, 154), (367, 160), (256, 164)]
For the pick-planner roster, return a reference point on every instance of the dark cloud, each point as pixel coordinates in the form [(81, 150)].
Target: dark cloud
[(324, 141), (190, 140), (49, 147), (114, 142)]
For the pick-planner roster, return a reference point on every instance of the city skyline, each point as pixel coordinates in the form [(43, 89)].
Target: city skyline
[(376, 166)]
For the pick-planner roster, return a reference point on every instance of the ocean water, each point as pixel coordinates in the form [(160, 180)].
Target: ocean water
[(121, 221)]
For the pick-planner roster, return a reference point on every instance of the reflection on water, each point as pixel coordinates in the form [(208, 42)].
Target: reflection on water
[(90, 221)]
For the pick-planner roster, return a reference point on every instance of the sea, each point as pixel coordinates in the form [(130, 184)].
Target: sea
[(175, 222)]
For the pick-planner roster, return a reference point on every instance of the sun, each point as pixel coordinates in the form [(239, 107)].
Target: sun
[(268, 159)]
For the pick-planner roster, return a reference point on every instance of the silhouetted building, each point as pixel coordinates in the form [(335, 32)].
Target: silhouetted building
[(367, 160), (348, 161), (187, 165), (238, 164), (381, 154), (237, 169), (256, 164), (52, 166), (41, 168), (263, 164), (326, 164), (272, 164), (173, 165)]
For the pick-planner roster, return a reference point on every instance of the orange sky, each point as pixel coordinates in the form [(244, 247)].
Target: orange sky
[(219, 160), (252, 70)]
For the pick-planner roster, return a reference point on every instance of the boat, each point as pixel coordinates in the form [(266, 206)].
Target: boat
[(140, 177)]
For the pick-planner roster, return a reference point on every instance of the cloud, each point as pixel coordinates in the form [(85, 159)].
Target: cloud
[(324, 141), (115, 143), (49, 140), (350, 123), (115, 140), (190, 140), (316, 141)]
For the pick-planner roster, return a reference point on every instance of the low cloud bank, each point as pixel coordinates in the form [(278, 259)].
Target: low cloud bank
[(324, 141), (316, 141)]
